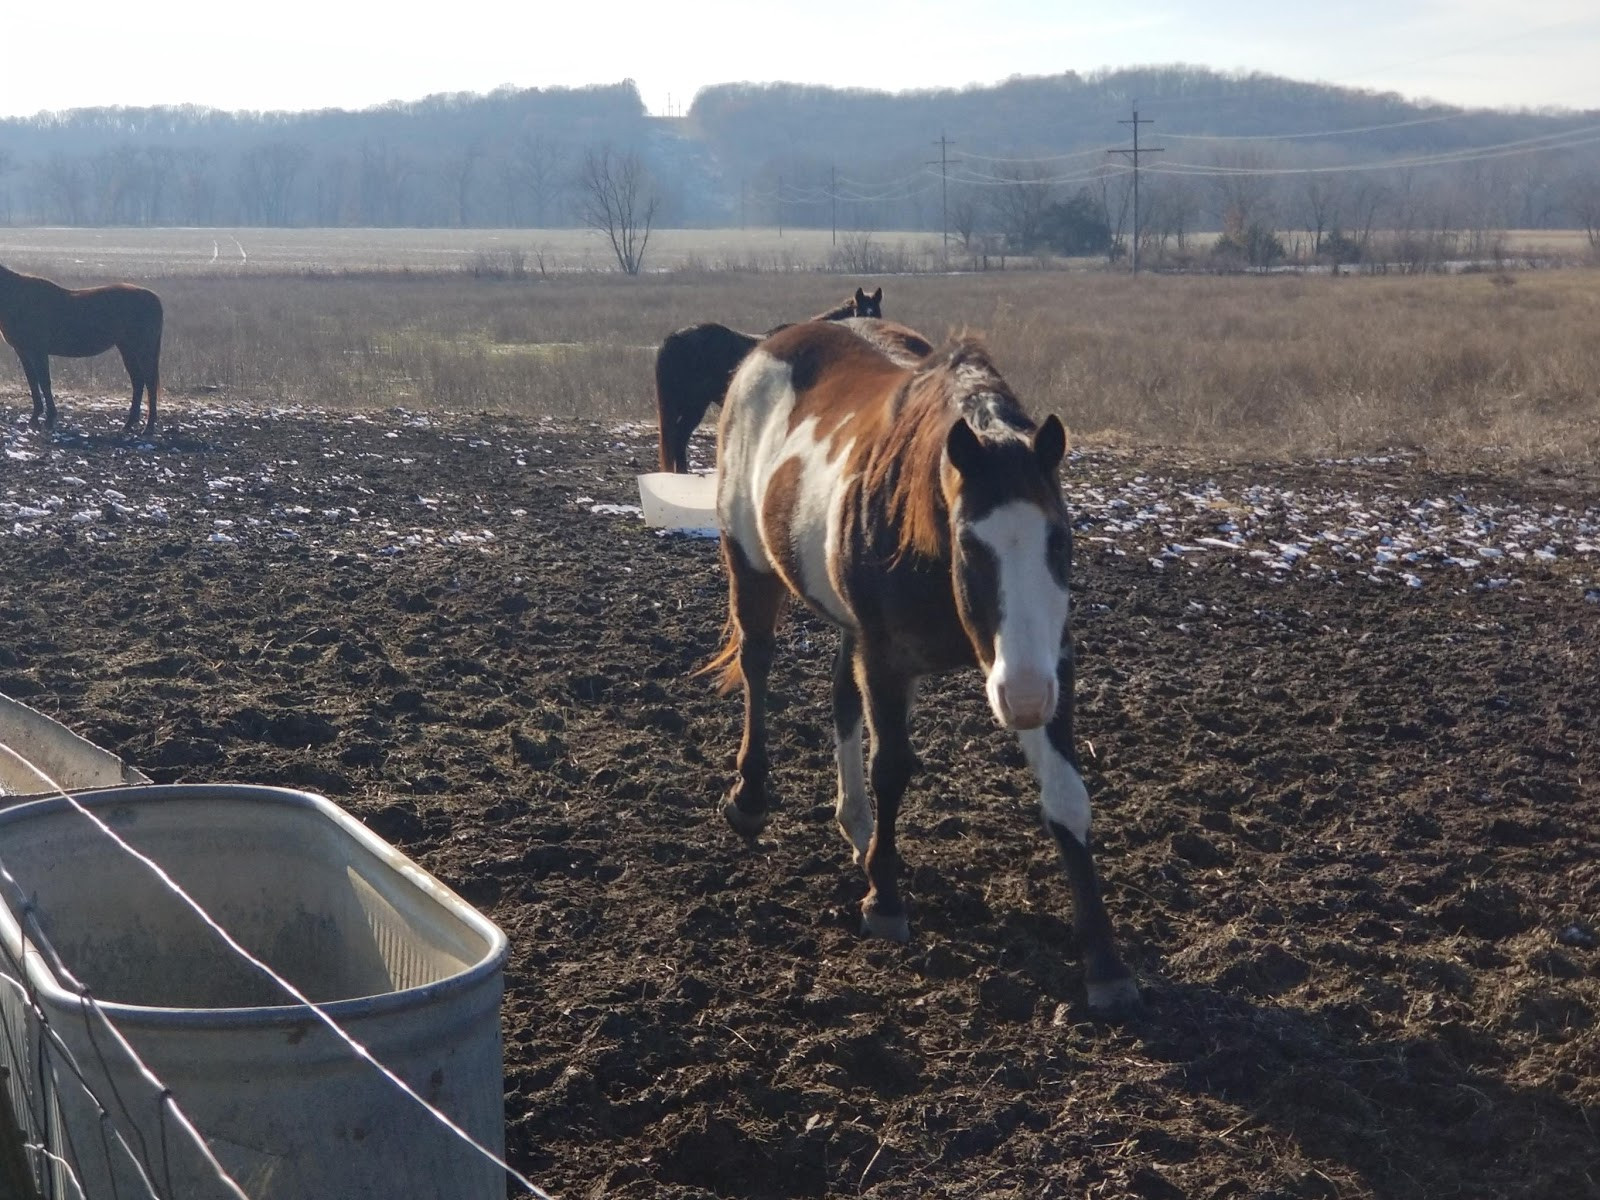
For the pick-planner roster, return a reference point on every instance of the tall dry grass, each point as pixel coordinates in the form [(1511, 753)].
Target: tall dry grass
[(1456, 365)]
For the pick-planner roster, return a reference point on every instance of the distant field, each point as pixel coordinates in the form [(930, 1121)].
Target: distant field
[(1456, 365), (86, 252), (92, 254)]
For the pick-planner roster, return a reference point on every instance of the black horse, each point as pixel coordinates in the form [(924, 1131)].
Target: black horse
[(40, 318), (694, 366)]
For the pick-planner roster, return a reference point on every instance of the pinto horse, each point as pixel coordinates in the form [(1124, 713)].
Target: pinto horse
[(915, 506), (40, 318), (694, 365)]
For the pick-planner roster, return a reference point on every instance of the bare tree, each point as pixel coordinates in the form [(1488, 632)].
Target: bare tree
[(1019, 204), (8, 164), (380, 184), (63, 189), (617, 197), (1116, 200), (536, 172), (1366, 199), (966, 213), (197, 189), (266, 179), (1244, 191), (1319, 207), (458, 172), (1583, 196)]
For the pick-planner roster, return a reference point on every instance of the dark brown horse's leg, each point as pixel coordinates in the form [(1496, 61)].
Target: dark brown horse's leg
[(152, 384), (1065, 801), (34, 390), (41, 373), (755, 599), (891, 764), (144, 374)]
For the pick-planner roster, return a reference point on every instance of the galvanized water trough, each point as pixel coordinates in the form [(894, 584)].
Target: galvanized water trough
[(402, 965)]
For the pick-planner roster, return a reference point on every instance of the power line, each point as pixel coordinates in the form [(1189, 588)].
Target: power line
[(1041, 158), (1317, 133), (1583, 136)]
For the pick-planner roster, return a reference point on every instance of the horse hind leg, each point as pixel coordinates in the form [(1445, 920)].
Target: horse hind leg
[(854, 807), (145, 377), (755, 600), (30, 372), (40, 380)]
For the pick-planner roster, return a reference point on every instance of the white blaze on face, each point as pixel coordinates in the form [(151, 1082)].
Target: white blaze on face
[(1033, 607)]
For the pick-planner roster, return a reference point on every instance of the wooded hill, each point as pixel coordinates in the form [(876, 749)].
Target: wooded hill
[(804, 155)]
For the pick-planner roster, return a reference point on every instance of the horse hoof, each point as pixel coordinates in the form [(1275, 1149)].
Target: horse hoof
[(746, 825), (892, 927), (1114, 997)]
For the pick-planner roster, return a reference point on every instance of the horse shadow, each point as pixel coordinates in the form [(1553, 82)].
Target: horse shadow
[(1338, 1100)]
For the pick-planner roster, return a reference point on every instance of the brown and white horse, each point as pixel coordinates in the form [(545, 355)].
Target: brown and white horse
[(694, 365), (915, 506), (40, 318)]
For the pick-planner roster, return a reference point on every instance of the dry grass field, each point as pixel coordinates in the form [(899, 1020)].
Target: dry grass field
[(1283, 365)]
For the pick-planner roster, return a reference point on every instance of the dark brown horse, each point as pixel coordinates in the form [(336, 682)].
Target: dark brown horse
[(40, 318), (694, 365), (915, 507)]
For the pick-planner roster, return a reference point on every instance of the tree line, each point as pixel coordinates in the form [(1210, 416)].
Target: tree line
[(1027, 167)]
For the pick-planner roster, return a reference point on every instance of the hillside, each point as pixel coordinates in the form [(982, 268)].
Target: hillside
[(788, 153)]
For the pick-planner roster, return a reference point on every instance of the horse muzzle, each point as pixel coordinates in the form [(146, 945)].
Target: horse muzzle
[(1023, 700)]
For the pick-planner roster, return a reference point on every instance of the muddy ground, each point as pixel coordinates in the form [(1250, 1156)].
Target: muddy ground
[(1347, 805)]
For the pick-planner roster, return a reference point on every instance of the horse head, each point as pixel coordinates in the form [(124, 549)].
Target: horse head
[(1010, 552)]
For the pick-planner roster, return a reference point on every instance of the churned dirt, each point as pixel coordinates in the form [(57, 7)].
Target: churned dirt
[(1347, 805)]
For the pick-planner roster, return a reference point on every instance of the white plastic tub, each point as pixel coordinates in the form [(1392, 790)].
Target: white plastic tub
[(672, 501), (28, 736), (403, 965)]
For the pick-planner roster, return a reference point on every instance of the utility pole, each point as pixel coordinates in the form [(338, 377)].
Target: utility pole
[(833, 197), (944, 189), (742, 190), (780, 205), (1135, 151)]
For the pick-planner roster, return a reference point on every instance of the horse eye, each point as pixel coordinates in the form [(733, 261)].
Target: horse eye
[(1058, 553)]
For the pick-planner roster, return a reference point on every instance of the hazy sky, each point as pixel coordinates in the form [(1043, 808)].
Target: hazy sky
[(297, 54)]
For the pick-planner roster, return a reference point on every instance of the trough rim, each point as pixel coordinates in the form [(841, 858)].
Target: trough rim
[(43, 978)]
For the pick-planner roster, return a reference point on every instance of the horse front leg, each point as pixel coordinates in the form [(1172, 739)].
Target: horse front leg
[(853, 809), (1065, 803), (41, 368), (756, 601), (891, 765), (30, 370)]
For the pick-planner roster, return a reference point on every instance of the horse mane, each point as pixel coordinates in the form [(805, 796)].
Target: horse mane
[(838, 312), (959, 381)]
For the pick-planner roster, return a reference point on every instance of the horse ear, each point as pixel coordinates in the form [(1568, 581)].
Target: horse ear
[(964, 448), (877, 296), (861, 297), (1050, 443)]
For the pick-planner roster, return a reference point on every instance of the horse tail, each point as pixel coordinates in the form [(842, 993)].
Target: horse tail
[(666, 454), (724, 664)]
